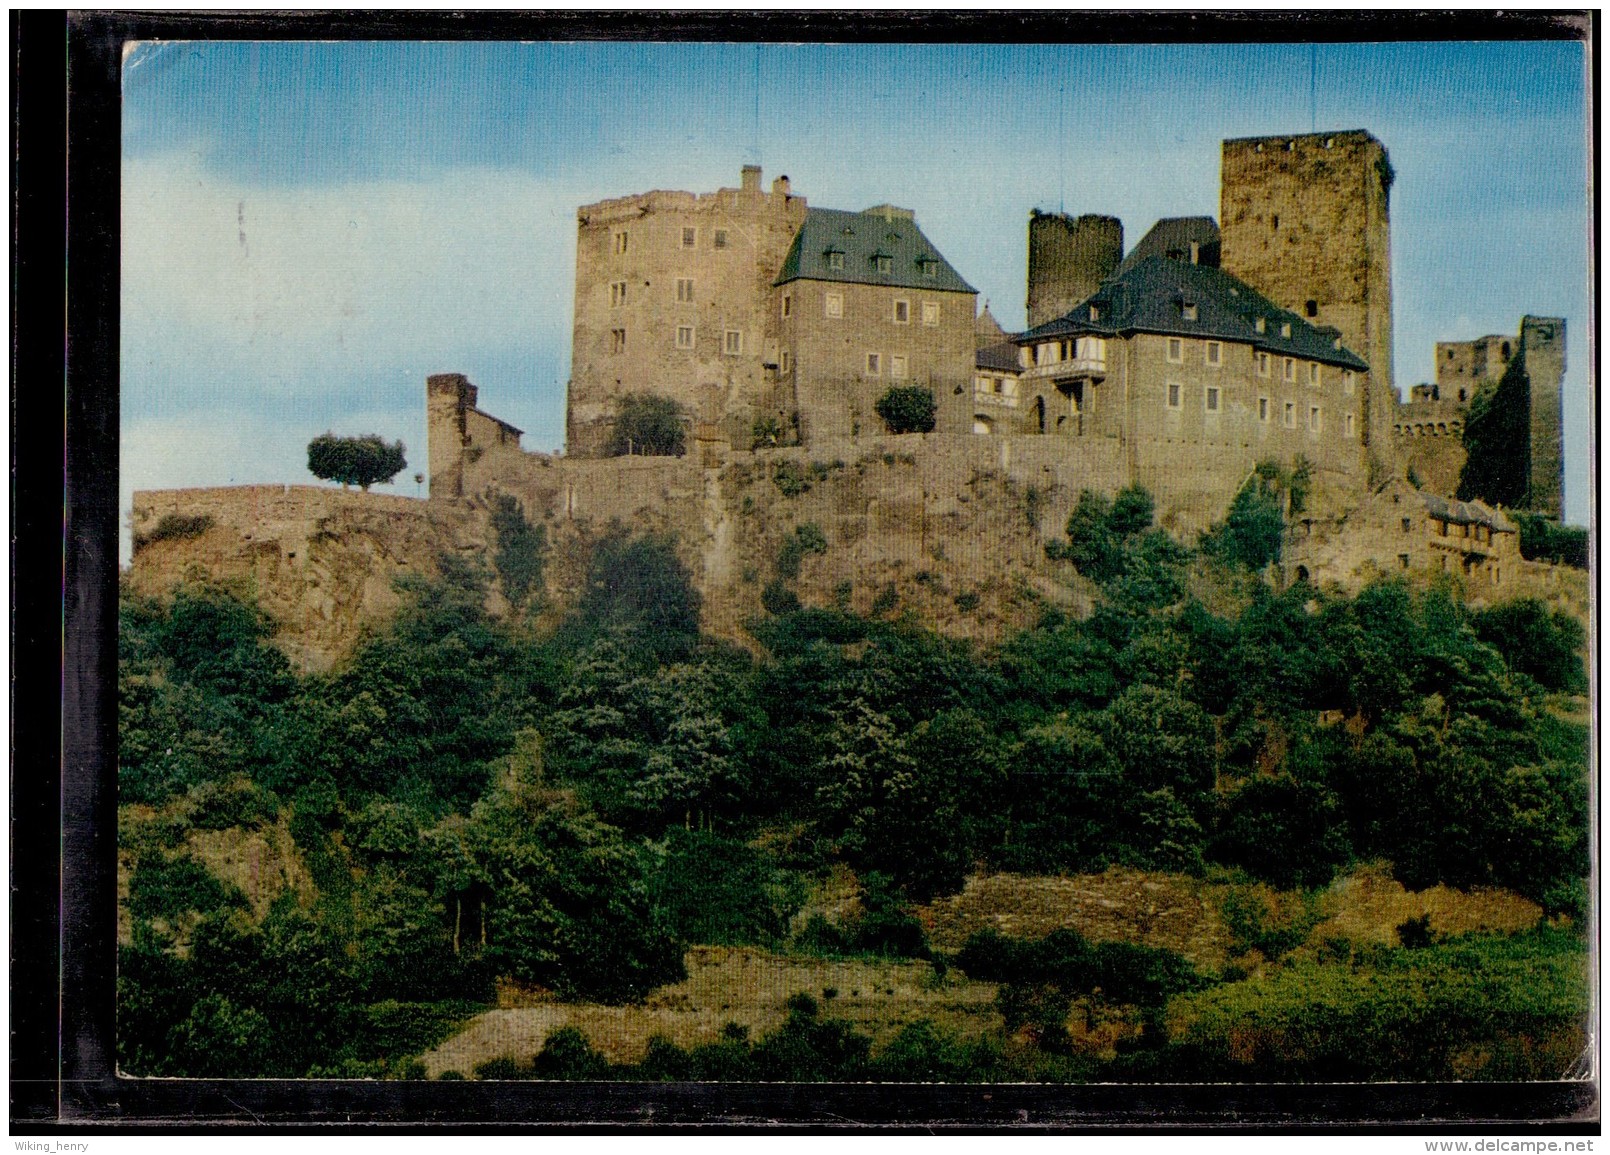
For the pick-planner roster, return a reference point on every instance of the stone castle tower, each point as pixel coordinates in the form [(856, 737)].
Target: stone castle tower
[(673, 297), (1304, 219), (1069, 258), (1543, 348)]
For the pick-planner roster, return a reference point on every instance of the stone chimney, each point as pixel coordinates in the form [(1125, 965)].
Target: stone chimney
[(751, 178), (779, 187)]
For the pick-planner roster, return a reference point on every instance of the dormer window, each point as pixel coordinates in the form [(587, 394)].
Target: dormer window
[(883, 262), (1259, 325), (1095, 313), (1285, 330), (929, 267), (1188, 311), (835, 258)]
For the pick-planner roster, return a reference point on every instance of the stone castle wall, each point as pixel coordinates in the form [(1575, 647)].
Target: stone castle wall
[(1068, 259), (1304, 220)]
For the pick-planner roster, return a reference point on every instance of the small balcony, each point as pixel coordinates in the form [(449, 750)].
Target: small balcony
[(1090, 368)]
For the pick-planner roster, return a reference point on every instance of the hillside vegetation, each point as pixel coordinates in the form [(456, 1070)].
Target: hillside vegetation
[(331, 874)]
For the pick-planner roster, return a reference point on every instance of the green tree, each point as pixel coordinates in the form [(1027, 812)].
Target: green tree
[(637, 589), (648, 425), (360, 461), (1252, 530), (907, 409), (522, 547)]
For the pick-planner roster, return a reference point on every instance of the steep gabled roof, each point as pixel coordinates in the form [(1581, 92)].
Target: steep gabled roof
[(1002, 357), (860, 239), (1152, 295), (1468, 513), (1172, 237)]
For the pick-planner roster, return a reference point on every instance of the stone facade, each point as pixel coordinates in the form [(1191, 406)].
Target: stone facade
[(673, 297), (1304, 220)]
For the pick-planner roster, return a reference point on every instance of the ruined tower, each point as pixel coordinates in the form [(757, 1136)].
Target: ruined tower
[(1068, 259), (1543, 347), (1304, 219)]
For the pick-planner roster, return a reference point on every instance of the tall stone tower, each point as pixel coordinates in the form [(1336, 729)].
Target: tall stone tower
[(1543, 346), (1304, 220), (1068, 259)]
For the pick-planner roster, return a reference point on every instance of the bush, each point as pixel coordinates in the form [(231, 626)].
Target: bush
[(907, 409), (790, 478), (520, 553), (360, 461), (174, 527), (1542, 540), (778, 600), (648, 425), (567, 1054), (806, 539), (766, 432)]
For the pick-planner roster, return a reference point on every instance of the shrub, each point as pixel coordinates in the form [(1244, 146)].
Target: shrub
[(359, 461), (1542, 540), (174, 527), (567, 1054), (500, 1068), (806, 539), (778, 600), (648, 425), (790, 478), (767, 431), (907, 409), (521, 548)]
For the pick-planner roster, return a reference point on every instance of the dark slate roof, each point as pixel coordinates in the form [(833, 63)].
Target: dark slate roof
[(1171, 237), (1468, 513), (862, 237), (1148, 298), (1002, 356)]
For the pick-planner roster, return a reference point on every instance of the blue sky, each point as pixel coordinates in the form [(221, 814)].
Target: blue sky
[(311, 229)]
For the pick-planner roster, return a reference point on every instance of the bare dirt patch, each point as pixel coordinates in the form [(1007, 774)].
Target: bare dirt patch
[(740, 985)]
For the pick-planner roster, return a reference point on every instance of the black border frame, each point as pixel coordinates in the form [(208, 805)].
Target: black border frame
[(63, 797)]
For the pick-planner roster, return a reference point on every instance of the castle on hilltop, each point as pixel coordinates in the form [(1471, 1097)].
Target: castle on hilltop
[(1209, 349)]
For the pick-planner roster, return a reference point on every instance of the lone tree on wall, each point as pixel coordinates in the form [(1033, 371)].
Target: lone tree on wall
[(907, 409), (648, 425), (360, 461)]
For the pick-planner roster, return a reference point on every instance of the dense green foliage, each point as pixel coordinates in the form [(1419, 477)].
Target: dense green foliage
[(907, 409), (1543, 540), (355, 460), (648, 425), (470, 801), (522, 547)]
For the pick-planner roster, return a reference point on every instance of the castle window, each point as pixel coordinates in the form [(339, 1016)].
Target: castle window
[(1262, 361), (1347, 424), (1259, 325), (1288, 368), (1173, 395), (1176, 350), (1503, 350), (835, 259), (1310, 308), (1408, 525), (1212, 399), (684, 336), (617, 294), (874, 364), (1349, 382), (1274, 221), (1403, 560), (1263, 410), (902, 312), (690, 238), (684, 290), (929, 267), (1313, 418), (833, 304), (930, 312), (884, 263), (1188, 312), (897, 365), (1461, 394), (732, 342), (788, 304), (620, 241), (1285, 329), (1095, 313), (1290, 415), (783, 363), (1215, 353), (617, 340), (1313, 373), (721, 238)]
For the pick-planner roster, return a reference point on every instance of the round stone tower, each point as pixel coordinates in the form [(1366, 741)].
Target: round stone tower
[(1068, 258)]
